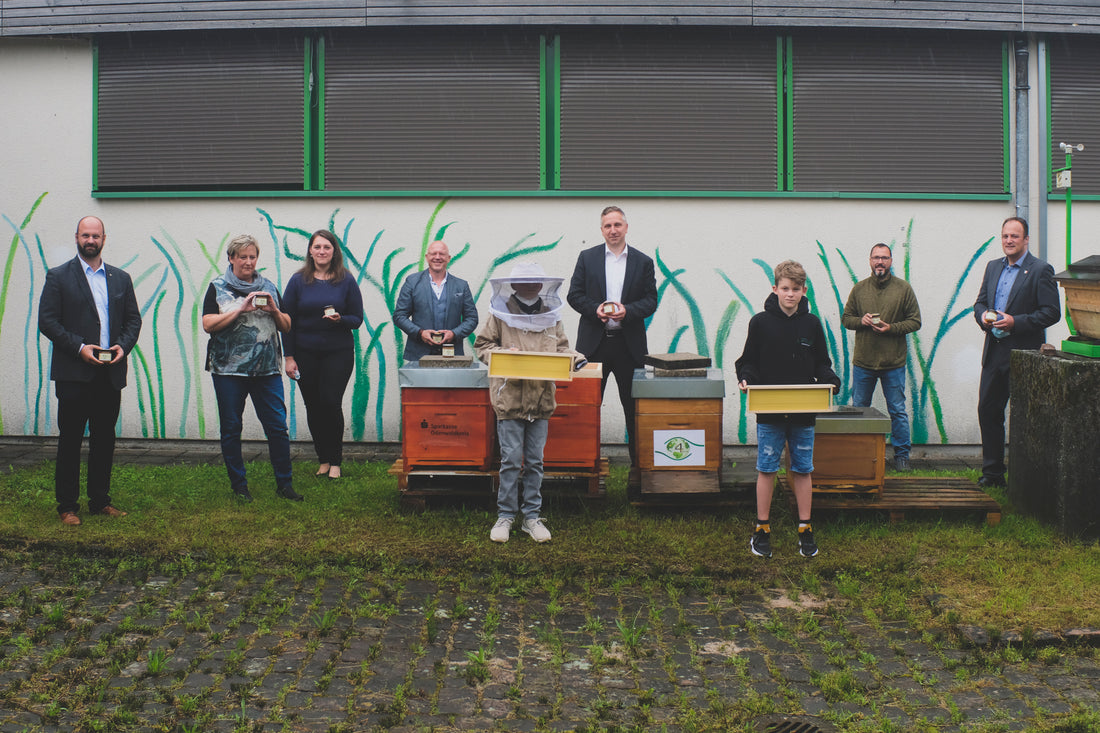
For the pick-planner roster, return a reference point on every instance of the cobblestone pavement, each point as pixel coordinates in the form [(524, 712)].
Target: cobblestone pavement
[(97, 645), (106, 644)]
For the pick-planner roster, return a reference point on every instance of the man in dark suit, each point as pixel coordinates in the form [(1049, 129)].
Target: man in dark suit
[(615, 290), (89, 311), (434, 307), (1016, 303)]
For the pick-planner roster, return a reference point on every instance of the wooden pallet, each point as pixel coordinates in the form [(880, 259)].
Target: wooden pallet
[(422, 484), (913, 494), (737, 488), (584, 483)]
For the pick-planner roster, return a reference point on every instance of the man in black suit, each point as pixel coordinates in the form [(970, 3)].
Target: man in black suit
[(434, 307), (1016, 303), (89, 311), (614, 289)]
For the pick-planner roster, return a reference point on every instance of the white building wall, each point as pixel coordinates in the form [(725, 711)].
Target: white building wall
[(45, 153)]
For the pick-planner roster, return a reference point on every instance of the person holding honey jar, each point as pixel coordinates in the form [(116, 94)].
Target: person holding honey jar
[(325, 306)]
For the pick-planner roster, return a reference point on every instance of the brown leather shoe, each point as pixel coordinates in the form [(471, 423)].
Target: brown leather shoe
[(110, 511), (70, 519)]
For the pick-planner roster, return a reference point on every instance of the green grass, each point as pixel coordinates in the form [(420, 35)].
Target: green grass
[(1017, 575)]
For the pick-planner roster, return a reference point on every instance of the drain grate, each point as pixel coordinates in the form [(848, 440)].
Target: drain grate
[(792, 726)]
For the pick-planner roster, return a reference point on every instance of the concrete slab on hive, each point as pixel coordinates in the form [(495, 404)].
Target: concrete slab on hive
[(658, 372), (678, 360)]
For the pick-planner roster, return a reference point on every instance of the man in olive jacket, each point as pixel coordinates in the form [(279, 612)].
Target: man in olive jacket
[(882, 309)]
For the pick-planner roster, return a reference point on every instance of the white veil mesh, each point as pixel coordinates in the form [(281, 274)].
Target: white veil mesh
[(503, 290)]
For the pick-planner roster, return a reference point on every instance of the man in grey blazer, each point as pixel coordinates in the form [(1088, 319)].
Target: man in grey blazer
[(89, 311), (434, 307), (1020, 295)]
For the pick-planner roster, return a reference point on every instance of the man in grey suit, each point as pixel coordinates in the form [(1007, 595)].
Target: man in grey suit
[(89, 311), (1017, 301), (434, 307)]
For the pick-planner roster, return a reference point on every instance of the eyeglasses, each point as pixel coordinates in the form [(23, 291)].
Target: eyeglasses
[(884, 259)]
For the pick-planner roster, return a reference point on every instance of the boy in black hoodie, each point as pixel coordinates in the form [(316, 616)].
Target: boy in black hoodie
[(785, 345)]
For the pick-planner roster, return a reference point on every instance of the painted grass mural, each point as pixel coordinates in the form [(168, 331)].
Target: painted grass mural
[(922, 391), (171, 282), (374, 364)]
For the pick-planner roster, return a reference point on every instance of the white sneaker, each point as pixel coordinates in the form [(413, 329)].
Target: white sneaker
[(501, 530), (538, 531)]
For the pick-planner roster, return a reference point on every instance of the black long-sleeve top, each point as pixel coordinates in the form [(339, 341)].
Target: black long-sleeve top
[(305, 304), (782, 349)]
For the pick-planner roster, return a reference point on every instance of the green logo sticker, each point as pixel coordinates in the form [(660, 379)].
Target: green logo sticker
[(678, 448)]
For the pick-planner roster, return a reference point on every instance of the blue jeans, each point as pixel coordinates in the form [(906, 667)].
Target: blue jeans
[(893, 389), (770, 440), (267, 400), (521, 448)]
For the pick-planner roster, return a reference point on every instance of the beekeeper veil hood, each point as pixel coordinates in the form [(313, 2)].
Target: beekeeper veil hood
[(527, 299)]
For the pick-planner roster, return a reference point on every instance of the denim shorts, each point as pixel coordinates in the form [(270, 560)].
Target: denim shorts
[(770, 440)]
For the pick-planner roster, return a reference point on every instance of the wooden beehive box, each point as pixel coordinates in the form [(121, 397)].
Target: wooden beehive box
[(1082, 285), (573, 438), (850, 451), (447, 427), (447, 420)]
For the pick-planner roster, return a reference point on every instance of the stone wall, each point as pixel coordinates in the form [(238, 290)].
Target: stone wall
[(1054, 468)]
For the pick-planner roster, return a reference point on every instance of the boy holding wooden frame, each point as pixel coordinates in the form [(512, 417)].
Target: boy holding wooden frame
[(785, 345)]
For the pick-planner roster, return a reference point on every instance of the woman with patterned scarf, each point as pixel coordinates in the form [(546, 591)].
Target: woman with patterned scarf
[(241, 314)]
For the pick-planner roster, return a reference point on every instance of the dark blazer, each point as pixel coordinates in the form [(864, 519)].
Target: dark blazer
[(67, 317), (1033, 303), (588, 288), (416, 305)]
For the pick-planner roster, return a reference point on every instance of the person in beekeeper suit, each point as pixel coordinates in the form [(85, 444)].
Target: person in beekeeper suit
[(524, 315)]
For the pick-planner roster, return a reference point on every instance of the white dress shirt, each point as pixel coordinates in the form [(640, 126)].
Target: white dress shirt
[(615, 274), (438, 289), (97, 281)]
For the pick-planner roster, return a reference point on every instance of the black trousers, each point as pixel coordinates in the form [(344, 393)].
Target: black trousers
[(325, 376), (94, 405), (616, 359), (993, 395)]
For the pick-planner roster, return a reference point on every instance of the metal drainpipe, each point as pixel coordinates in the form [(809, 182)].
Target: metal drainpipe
[(1042, 176), (1023, 155)]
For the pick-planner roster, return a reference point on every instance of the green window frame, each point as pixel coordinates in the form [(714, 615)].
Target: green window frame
[(1073, 108), (439, 110), (625, 112), (199, 112), (898, 113), (663, 110)]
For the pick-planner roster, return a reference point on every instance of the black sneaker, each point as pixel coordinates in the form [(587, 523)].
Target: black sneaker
[(806, 545), (289, 493), (242, 495), (761, 543), (901, 463)]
